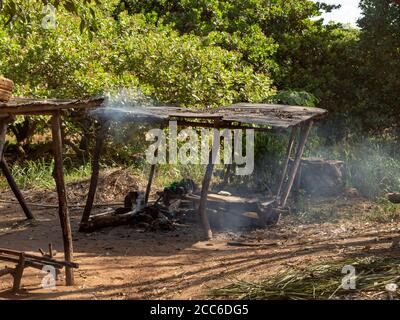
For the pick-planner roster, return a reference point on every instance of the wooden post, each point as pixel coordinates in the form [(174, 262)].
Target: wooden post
[(305, 131), (297, 186), (62, 195), (286, 163), (149, 183), (6, 170), (229, 169), (204, 191), (227, 174), (101, 136), (3, 132), (13, 185), (51, 253), (19, 271)]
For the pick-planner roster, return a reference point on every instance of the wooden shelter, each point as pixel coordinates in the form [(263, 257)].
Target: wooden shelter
[(260, 117), (53, 108)]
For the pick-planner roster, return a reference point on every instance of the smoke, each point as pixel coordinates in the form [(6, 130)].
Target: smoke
[(129, 115), (371, 165), (127, 105)]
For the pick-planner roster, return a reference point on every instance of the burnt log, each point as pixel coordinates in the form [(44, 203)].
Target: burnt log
[(105, 221), (152, 217)]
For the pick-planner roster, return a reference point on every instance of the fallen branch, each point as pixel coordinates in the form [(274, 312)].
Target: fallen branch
[(106, 220)]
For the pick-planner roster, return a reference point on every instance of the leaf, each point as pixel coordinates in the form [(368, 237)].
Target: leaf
[(82, 25), (92, 13)]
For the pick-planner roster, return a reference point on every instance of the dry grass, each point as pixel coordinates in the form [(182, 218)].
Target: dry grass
[(321, 282)]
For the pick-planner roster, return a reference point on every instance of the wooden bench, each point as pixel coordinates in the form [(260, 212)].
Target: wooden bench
[(23, 260)]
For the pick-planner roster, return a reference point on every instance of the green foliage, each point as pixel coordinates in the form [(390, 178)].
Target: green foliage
[(295, 98), (250, 27), (371, 165), (180, 69), (25, 11), (380, 53), (128, 53), (53, 63), (301, 54), (373, 171), (213, 53), (39, 174)]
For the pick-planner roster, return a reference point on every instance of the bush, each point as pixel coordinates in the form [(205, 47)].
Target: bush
[(181, 70)]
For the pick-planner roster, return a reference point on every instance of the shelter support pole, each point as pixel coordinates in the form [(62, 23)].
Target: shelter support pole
[(62, 195), (304, 133), (286, 163), (149, 183), (297, 187), (227, 174), (205, 188), (7, 172), (13, 185), (101, 136), (3, 132)]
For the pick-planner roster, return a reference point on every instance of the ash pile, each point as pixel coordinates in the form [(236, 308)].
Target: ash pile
[(162, 215)]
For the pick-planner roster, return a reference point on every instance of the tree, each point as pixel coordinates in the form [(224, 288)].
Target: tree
[(253, 27), (380, 68)]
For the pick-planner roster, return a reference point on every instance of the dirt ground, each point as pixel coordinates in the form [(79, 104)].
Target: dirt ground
[(128, 263)]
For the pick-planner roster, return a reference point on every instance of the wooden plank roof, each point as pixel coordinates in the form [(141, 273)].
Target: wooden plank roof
[(27, 106), (280, 116), (267, 115), (246, 114)]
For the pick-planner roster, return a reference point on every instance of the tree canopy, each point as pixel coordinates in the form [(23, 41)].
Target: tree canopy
[(379, 49), (210, 53)]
